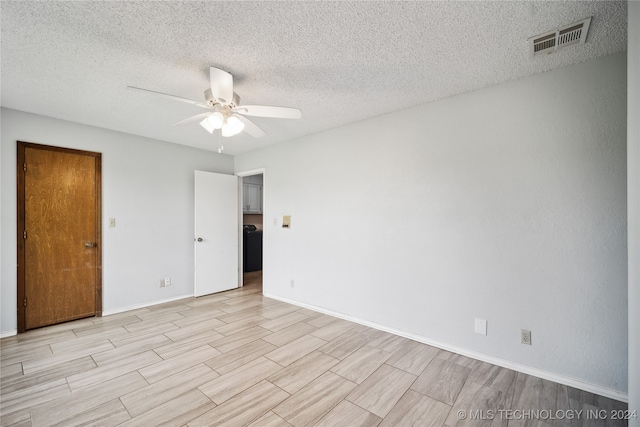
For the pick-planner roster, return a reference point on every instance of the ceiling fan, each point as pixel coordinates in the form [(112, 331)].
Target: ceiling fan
[(225, 112)]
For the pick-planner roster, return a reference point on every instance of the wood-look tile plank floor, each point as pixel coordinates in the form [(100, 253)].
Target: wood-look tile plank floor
[(238, 358)]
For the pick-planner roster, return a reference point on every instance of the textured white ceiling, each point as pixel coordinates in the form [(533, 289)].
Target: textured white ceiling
[(339, 62)]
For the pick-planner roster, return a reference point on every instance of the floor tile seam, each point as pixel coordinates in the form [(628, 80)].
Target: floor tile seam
[(255, 419), (428, 397), (21, 376), (428, 365), (36, 374), (317, 376), (276, 362), (433, 398), (80, 330), (342, 376), (455, 399), (336, 404), (289, 393), (454, 362), (25, 344), (131, 417), (224, 352), (3, 407), (349, 354), (251, 361), (404, 370), (80, 389), (105, 319), (7, 393), (151, 384), (237, 331), (66, 361), (184, 368), (135, 352), (165, 402), (23, 357), (506, 393), (238, 393), (239, 313), (164, 334), (506, 406), (76, 392), (271, 330), (173, 306), (90, 343), (65, 422)]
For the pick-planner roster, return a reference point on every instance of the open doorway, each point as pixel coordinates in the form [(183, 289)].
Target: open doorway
[(252, 228)]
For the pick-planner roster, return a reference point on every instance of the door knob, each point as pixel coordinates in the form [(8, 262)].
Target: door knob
[(199, 239), (89, 245)]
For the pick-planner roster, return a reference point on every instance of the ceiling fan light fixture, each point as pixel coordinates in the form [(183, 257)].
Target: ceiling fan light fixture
[(232, 126), (205, 124), (213, 121), (216, 120)]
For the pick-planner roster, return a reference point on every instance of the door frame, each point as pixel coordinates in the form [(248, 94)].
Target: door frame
[(258, 171), (21, 202)]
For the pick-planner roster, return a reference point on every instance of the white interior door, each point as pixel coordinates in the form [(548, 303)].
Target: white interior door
[(216, 232)]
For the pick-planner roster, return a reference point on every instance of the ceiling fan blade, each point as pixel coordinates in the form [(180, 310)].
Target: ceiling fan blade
[(251, 128), (194, 119), (221, 85), (269, 111), (175, 98)]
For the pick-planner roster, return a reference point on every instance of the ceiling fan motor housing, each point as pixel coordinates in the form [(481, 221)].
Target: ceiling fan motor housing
[(208, 96)]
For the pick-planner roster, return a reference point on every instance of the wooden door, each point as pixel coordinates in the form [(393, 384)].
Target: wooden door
[(59, 238)]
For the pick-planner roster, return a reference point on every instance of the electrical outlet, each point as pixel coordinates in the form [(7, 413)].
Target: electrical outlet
[(525, 336), (167, 281)]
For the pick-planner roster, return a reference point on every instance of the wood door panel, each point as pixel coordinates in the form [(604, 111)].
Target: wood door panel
[(60, 218)]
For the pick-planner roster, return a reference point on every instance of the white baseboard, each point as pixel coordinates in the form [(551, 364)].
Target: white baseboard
[(11, 333), (144, 305), (540, 373)]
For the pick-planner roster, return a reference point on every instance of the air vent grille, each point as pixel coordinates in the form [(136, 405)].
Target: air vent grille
[(553, 41), (544, 43)]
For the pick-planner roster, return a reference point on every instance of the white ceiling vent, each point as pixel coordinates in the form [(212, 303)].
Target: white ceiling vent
[(553, 41)]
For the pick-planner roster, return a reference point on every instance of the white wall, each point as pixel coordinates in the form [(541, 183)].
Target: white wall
[(507, 204), (633, 200), (147, 186)]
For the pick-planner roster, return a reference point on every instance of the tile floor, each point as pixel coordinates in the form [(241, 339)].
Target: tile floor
[(238, 358)]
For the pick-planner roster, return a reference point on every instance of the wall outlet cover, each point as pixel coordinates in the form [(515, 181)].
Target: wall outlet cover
[(481, 326)]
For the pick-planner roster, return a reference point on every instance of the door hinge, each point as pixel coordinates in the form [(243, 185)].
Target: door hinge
[(24, 234), (24, 166), (25, 302)]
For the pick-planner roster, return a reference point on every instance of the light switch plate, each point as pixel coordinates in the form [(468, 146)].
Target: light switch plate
[(286, 221), (112, 222), (481, 326)]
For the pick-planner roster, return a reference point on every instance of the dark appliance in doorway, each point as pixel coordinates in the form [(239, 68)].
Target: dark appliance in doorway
[(252, 248)]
